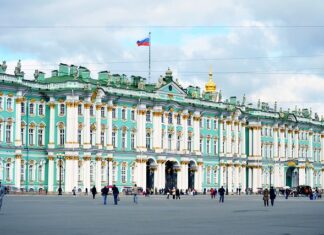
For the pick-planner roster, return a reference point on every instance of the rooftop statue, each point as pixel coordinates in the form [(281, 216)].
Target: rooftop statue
[(259, 104), (76, 73), (3, 67), (316, 117), (18, 68), (36, 74), (244, 100), (275, 106), (220, 96)]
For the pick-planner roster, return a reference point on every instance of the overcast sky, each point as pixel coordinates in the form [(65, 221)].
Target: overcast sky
[(257, 58)]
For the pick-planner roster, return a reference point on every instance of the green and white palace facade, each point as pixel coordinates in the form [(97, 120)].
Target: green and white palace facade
[(122, 130)]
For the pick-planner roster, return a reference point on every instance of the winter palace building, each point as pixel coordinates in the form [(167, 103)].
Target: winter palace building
[(80, 131)]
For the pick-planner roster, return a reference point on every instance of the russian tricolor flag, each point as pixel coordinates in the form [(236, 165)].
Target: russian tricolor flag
[(144, 42)]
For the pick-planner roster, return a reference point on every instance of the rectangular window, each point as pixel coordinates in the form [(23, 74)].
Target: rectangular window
[(189, 143), (200, 144), (124, 114), (169, 141), (189, 121), (102, 138), (148, 140), (148, 116), (178, 142), (31, 136), (62, 137), (215, 147), (123, 174), (201, 122), (208, 146), (79, 136), (22, 135), (40, 137), (208, 175), (9, 104), (133, 141), (8, 133), (113, 139), (178, 120), (91, 110)]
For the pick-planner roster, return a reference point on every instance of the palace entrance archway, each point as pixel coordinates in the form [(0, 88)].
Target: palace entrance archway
[(171, 168), (150, 169), (292, 177), (192, 168)]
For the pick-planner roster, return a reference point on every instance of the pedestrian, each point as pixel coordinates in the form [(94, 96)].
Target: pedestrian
[(135, 193), (266, 197), (173, 193), (2, 193), (287, 193), (211, 193), (168, 193), (221, 192), (240, 191), (104, 193), (86, 192), (177, 194), (115, 194), (272, 195), (73, 191), (94, 192)]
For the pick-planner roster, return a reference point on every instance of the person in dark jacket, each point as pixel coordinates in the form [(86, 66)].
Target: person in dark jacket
[(115, 193), (287, 193), (94, 192), (177, 194), (221, 192), (272, 195), (104, 193)]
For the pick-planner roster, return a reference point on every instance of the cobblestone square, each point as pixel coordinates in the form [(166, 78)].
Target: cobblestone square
[(157, 215)]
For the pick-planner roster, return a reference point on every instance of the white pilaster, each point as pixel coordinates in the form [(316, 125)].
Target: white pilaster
[(52, 123), (17, 170), (196, 134), (98, 172), (18, 122), (98, 124), (109, 126), (86, 172), (86, 131), (50, 175), (157, 129)]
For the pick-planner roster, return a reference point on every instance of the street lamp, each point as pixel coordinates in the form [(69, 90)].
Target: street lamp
[(60, 157)]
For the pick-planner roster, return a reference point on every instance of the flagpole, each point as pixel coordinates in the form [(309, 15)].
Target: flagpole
[(149, 76)]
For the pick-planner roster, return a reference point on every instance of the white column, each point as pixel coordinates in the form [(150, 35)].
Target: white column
[(282, 143), (86, 173), (221, 123), (184, 173), (68, 178), (254, 179), (310, 150), (179, 178), (86, 130), (275, 142), (69, 124), (17, 170), (228, 138), (109, 127), (221, 175), (322, 152), (98, 125), (51, 124), (18, 123), (230, 178), (110, 159), (250, 179), (141, 127), (251, 143), (296, 153), (243, 178), (236, 149), (243, 141), (157, 129), (98, 172), (76, 172), (200, 177), (196, 133), (50, 173), (184, 141), (289, 144), (161, 173)]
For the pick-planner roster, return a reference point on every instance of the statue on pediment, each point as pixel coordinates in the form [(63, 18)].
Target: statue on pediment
[(316, 117), (244, 100), (220, 96), (3, 67), (36, 74), (18, 68), (76, 73)]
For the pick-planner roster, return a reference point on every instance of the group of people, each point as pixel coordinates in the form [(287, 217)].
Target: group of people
[(175, 192), (104, 193), (267, 194)]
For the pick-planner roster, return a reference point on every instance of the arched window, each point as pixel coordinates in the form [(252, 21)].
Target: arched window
[(123, 114), (148, 115), (133, 140), (208, 146), (62, 109), (40, 137), (62, 136), (102, 112), (170, 118), (40, 173), (22, 172), (113, 136), (91, 110), (124, 140), (133, 115), (215, 176), (30, 173), (178, 142), (178, 120), (123, 173), (41, 110), (31, 135), (31, 109), (8, 171)]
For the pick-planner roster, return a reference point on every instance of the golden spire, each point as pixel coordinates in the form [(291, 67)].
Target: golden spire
[(210, 85)]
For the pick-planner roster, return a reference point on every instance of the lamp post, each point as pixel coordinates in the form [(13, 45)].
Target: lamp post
[(60, 157)]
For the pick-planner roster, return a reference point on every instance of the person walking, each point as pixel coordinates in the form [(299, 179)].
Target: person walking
[(135, 193), (115, 193), (287, 193), (2, 193), (221, 192), (177, 194), (173, 193), (272, 195), (168, 193), (266, 197), (74, 191), (94, 192), (104, 193), (86, 192)]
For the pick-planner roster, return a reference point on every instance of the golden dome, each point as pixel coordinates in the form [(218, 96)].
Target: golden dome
[(210, 85)]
